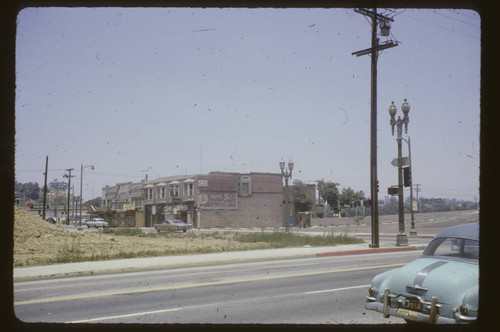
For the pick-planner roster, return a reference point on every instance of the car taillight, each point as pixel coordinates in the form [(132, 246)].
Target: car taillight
[(463, 309)]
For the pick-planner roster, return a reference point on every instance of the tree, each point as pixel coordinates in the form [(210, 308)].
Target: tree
[(300, 199), (330, 193), (349, 197), (28, 191), (56, 185), (96, 202)]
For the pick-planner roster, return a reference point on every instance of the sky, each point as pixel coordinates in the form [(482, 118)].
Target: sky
[(173, 91)]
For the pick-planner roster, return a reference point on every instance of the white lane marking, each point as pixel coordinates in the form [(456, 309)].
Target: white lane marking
[(209, 304), (128, 315), (336, 289)]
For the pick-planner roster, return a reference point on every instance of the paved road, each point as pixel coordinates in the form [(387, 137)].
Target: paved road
[(425, 223), (307, 291)]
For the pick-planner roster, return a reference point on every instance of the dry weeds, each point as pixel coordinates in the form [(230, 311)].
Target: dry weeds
[(37, 242)]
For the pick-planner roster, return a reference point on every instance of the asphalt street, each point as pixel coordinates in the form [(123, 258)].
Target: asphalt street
[(299, 291)]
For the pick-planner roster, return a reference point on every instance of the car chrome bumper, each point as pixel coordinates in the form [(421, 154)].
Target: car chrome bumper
[(432, 317)]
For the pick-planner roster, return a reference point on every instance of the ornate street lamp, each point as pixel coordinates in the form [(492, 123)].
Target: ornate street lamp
[(405, 107), (401, 239), (286, 172), (392, 112)]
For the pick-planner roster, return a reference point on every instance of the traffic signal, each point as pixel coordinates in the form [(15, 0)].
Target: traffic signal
[(406, 176)]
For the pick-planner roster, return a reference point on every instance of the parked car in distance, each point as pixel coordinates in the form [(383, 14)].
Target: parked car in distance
[(51, 220), (172, 226), (97, 223), (441, 286)]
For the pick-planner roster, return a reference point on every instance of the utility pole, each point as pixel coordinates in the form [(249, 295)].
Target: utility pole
[(373, 51), (81, 190), (74, 201), (45, 186), (69, 188), (418, 202)]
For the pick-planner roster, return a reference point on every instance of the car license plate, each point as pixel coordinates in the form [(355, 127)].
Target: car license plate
[(413, 303)]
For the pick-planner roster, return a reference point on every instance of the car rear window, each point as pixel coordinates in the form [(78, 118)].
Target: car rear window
[(453, 247)]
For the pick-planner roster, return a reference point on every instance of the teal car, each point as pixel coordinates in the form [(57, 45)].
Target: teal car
[(441, 286)]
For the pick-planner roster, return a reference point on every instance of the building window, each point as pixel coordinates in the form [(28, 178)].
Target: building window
[(244, 187), (136, 201), (162, 192), (188, 190), (149, 193), (174, 190)]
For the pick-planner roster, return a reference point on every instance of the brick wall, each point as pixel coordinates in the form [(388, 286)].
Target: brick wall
[(262, 208)]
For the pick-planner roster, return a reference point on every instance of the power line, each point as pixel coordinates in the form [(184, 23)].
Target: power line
[(469, 16), (392, 12), (38, 170), (453, 18), (63, 169), (440, 192), (452, 189), (442, 27), (114, 174)]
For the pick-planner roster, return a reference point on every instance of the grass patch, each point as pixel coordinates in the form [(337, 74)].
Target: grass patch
[(75, 258), (191, 243), (127, 232), (358, 219), (287, 239)]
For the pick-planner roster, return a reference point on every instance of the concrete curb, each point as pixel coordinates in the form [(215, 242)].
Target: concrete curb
[(367, 251), (95, 272), (422, 236)]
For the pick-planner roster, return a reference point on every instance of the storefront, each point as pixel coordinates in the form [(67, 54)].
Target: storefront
[(180, 210)]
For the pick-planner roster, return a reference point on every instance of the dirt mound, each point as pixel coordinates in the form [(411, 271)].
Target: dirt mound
[(27, 225), (37, 242)]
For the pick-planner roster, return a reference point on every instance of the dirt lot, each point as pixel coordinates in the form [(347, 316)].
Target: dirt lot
[(37, 242)]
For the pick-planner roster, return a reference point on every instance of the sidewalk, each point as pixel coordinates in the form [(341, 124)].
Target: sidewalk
[(171, 262)]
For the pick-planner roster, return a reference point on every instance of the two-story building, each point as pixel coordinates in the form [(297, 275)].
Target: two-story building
[(217, 199), (240, 200), (170, 197)]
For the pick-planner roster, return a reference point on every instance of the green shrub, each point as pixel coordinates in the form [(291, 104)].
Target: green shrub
[(69, 252), (289, 239), (124, 231)]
